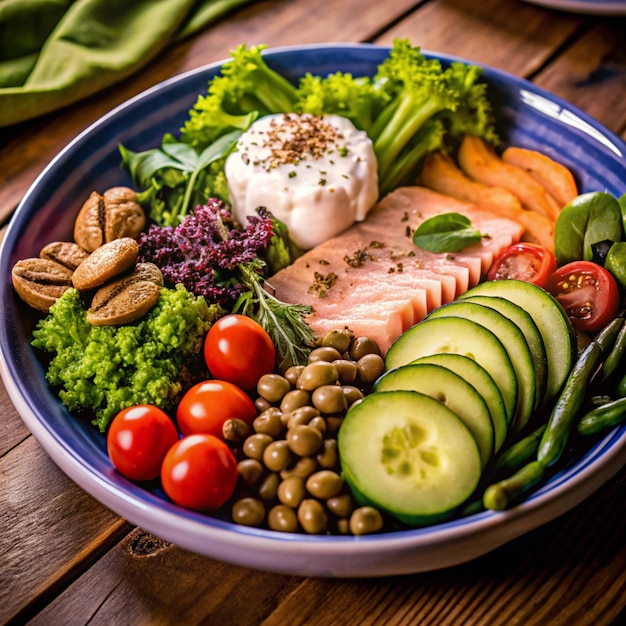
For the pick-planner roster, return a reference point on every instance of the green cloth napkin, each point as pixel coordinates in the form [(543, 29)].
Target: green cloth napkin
[(56, 52)]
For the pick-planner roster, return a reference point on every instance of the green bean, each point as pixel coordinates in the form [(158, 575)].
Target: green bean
[(615, 357), (602, 418), (620, 388), (500, 495), (568, 405), (607, 337), (514, 456)]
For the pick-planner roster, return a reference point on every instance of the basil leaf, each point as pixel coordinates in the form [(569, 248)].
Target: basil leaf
[(143, 166), (183, 153), (448, 232), (219, 148)]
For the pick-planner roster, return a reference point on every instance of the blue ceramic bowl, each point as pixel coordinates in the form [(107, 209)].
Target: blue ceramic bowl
[(528, 117)]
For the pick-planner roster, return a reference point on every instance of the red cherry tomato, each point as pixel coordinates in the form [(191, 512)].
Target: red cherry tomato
[(207, 405), (138, 440), (199, 472), (588, 293), (239, 350), (524, 261)]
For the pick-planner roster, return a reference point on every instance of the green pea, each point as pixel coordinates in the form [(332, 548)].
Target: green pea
[(282, 518), (328, 457), (329, 399), (346, 371), (324, 353), (291, 491), (250, 471), (302, 415), (324, 484), (312, 517), (362, 346), (317, 374), (365, 520), (304, 440), (269, 422), (293, 373), (303, 468), (341, 505), (338, 339), (254, 445), (277, 456), (248, 512), (269, 487), (294, 400), (273, 387)]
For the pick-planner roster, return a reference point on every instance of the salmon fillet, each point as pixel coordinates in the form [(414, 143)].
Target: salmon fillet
[(373, 279)]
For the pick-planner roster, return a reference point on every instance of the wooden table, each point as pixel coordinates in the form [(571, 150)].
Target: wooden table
[(66, 559)]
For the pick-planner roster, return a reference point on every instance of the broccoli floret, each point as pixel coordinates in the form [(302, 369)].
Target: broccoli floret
[(104, 369), (358, 99), (474, 113), (422, 90), (247, 88)]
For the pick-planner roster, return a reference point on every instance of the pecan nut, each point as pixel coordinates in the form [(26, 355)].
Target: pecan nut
[(128, 298), (105, 263), (65, 253), (40, 282), (112, 215)]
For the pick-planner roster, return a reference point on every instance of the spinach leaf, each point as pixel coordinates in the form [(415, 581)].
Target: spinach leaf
[(170, 176), (447, 232)]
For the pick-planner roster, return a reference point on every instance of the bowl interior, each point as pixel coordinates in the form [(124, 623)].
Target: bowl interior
[(527, 116)]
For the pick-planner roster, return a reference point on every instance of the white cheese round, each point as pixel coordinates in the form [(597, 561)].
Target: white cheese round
[(318, 175)]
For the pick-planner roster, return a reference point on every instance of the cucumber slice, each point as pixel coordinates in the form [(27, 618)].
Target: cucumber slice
[(408, 455), (552, 321), (477, 376), (450, 389), (458, 336), (514, 343), (531, 333)]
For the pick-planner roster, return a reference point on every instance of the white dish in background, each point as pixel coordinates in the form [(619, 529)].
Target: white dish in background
[(528, 117), (589, 7)]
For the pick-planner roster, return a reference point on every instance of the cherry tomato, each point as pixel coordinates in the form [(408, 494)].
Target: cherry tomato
[(588, 293), (524, 261), (138, 440), (199, 472), (207, 405), (239, 350)]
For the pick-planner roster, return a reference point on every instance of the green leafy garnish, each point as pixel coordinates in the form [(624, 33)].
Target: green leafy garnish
[(175, 178), (284, 323), (448, 232)]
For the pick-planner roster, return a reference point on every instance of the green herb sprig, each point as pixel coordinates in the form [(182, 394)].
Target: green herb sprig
[(448, 232), (175, 178)]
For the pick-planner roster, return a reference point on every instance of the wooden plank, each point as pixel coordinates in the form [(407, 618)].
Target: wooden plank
[(483, 32), (591, 73), (512, 585), (50, 528), (12, 429), (144, 576)]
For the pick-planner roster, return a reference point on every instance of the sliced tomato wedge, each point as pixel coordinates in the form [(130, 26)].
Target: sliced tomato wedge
[(588, 293), (524, 261)]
